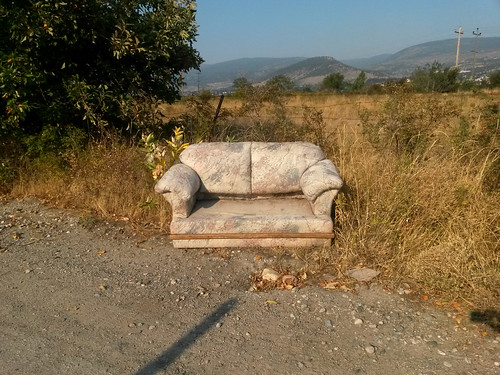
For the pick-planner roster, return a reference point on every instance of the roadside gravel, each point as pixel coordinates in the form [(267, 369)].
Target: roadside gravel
[(86, 297)]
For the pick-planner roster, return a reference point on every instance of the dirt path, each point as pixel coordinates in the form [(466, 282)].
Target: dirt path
[(79, 298)]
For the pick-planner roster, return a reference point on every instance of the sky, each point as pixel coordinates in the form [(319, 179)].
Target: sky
[(343, 29)]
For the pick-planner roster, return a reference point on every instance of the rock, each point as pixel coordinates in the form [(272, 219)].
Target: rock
[(328, 323), (370, 349), (363, 274), (358, 322), (399, 328), (447, 364), (268, 274)]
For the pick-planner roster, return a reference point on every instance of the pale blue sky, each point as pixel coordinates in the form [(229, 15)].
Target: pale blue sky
[(344, 29)]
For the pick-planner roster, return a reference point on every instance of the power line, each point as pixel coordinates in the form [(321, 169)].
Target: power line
[(476, 34)]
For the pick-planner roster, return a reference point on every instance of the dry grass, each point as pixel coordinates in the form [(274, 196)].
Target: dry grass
[(109, 180), (430, 218)]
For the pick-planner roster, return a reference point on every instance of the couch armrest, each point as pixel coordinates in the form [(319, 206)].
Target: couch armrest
[(179, 186), (316, 181)]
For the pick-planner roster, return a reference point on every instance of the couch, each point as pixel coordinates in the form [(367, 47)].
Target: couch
[(251, 194)]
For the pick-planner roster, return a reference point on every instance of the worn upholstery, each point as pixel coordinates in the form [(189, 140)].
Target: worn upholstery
[(277, 167), (259, 188), (224, 168), (179, 186)]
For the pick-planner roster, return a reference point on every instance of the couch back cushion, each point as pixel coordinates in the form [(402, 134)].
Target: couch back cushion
[(224, 168), (277, 167)]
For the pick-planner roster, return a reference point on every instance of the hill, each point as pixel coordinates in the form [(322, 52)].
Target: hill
[(404, 62), (221, 75), (310, 71)]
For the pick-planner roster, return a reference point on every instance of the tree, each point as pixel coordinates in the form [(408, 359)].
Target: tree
[(359, 82), (494, 79), (433, 78), (333, 82), (242, 87), (281, 83), (92, 63)]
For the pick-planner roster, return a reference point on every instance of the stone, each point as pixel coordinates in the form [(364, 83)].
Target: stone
[(370, 349), (363, 274), (268, 274), (358, 322)]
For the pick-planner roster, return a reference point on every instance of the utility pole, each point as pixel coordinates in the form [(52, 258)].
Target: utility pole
[(459, 32), (476, 34)]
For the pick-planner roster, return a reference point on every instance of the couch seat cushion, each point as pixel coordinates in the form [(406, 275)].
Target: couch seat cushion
[(252, 216)]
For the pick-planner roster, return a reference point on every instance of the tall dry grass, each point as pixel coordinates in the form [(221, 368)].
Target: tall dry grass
[(426, 214), (430, 217), (109, 179)]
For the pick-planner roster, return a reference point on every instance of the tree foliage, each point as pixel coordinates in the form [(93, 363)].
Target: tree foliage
[(359, 82), (281, 83), (242, 87), (435, 78), (92, 63), (494, 79), (333, 82)]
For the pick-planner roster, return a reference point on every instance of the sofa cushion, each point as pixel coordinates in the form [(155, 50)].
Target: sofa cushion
[(277, 167), (224, 168), (274, 215)]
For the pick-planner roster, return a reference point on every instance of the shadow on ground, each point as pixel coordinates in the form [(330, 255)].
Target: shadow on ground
[(489, 317), (171, 354)]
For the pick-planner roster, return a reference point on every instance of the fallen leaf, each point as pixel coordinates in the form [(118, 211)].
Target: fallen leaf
[(438, 303), (288, 287), (425, 298), (101, 252), (258, 257), (331, 285), (73, 308), (454, 304), (102, 287), (484, 333), (289, 279), (16, 236), (271, 302)]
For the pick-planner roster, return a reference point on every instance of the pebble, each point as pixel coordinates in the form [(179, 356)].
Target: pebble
[(301, 365), (447, 364), (218, 325), (370, 349), (328, 323), (432, 344), (399, 328), (358, 322), (269, 274)]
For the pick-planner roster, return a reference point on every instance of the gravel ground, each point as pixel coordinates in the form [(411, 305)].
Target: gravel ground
[(86, 297)]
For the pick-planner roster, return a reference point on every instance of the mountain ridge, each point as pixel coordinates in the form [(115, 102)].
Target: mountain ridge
[(310, 71)]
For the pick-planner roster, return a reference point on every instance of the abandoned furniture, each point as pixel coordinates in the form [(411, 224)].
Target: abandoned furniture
[(251, 194)]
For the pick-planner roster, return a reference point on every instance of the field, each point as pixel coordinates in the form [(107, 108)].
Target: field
[(421, 201)]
